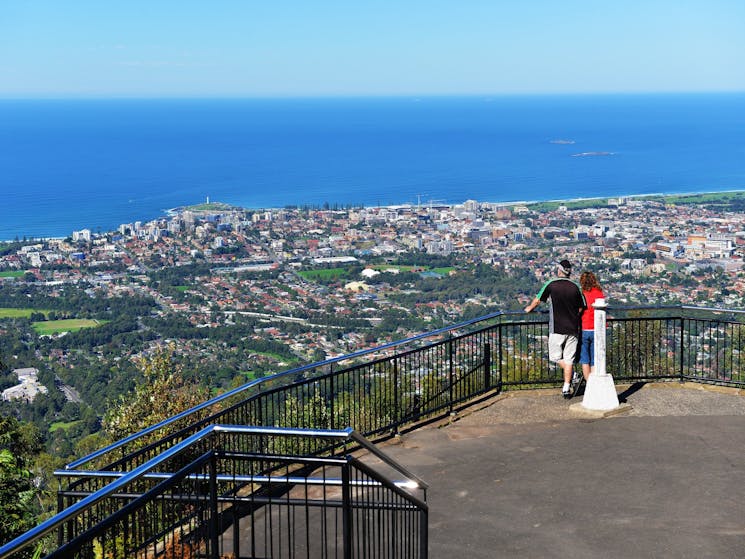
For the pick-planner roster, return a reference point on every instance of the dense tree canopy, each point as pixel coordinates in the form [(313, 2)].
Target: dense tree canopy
[(19, 443), (163, 393)]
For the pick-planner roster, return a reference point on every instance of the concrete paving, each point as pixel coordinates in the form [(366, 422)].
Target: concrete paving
[(521, 475)]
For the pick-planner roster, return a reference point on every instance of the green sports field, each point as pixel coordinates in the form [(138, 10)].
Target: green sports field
[(324, 274), (49, 327), (6, 312)]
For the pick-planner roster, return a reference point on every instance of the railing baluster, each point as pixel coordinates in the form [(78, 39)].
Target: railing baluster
[(213, 522), (450, 372), (331, 397), (347, 525), (501, 357), (398, 412), (487, 365)]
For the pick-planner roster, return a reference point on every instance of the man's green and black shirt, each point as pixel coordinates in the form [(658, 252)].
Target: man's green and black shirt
[(566, 303)]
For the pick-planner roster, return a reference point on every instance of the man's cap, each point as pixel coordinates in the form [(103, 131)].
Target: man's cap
[(565, 266)]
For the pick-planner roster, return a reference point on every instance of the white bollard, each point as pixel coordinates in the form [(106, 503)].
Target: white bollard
[(600, 392), (600, 324)]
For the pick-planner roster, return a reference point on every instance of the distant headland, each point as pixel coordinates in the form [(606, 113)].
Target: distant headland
[(732, 200), (203, 207), (720, 199)]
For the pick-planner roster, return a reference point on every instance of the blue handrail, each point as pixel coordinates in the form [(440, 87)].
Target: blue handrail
[(89, 501)]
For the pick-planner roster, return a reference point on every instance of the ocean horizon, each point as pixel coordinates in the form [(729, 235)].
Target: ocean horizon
[(96, 163)]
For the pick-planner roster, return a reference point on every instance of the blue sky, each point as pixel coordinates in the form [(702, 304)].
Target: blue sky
[(185, 48)]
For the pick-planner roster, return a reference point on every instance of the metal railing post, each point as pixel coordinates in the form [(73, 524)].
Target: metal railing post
[(487, 365), (346, 506), (236, 530), (501, 358), (60, 506), (423, 534), (682, 347), (396, 399), (332, 397), (451, 371), (214, 518)]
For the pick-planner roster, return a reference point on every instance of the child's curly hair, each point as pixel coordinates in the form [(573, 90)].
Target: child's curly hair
[(588, 280)]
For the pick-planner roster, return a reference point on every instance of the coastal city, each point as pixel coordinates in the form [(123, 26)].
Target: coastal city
[(245, 293), (623, 239), (309, 280)]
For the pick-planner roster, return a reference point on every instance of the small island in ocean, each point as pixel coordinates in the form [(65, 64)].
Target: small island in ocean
[(563, 142), (592, 153)]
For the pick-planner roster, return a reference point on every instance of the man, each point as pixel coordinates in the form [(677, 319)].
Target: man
[(566, 304)]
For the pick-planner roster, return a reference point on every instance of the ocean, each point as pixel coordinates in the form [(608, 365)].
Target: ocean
[(71, 164)]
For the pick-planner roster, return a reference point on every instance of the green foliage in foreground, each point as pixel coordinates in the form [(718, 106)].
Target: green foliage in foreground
[(163, 393), (18, 494)]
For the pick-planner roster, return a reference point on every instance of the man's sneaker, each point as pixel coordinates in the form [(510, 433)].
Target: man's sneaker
[(567, 393)]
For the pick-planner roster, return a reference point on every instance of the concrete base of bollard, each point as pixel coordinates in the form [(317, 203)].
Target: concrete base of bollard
[(581, 412), (600, 393)]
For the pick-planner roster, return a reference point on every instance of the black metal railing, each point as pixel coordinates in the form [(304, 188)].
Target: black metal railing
[(377, 391), (684, 343), (238, 497), (382, 390), (395, 386)]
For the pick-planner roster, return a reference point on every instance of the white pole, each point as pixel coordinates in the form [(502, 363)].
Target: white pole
[(600, 320), (600, 393)]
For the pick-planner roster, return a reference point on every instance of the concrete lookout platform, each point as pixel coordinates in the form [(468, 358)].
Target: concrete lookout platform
[(524, 475)]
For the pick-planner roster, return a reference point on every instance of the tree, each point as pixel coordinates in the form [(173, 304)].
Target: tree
[(163, 393), (19, 443)]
